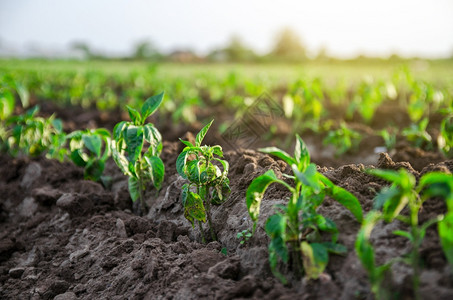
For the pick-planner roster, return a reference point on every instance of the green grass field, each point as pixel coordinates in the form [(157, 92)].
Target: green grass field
[(351, 71)]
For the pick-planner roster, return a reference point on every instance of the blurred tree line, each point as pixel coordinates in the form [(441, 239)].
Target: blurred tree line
[(287, 47)]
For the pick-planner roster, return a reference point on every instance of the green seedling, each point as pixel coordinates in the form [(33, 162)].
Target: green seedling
[(244, 236), (376, 274), (366, 101), (343, 139), (90, 149), (445, 139), (296, 229), (209, 184), (32, 135), (417, 107), (8, 88), (389, 137), (136, 147), (7, 104), (417, 134), (304, 104), (392, 200)]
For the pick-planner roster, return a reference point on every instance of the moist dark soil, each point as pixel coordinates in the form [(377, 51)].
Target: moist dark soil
[(62, 237)]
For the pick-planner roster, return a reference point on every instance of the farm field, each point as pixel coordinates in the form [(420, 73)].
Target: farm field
[(323, 181)]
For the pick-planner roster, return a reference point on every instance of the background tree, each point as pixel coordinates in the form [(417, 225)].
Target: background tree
[(288, 46), (145, 50), (235, 51), (83, 48), (238, 51)]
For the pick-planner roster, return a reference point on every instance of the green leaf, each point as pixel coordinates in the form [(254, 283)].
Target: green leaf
[(393, 208), (335, 248), (220, 193), (93, 143), (308, 177), (278, 246), (256, 190), (120, 160), (184, 193), (278, 153), (74, 135), (194, 208), (348, 200), (200, 136), (445, 228), (150, 105), (386, 194), (363, 246), (118, 129), (134, 142), (77, 158), (327, 225), (194, 172), (301, 154), (157, 170), (326, 181), (427, 224), (437, 184), (225, 165), (389, 175), (94, 170), (102, 132), (6, 104), (134, 115), (404, 234), (154, 138), (276, 226), (217, 150), (181, 163), (24, 95), (343, 197), (275, 246), (315, 258), (58, 125), (276, 229), (134, 188), (32, 111), (187, 143)]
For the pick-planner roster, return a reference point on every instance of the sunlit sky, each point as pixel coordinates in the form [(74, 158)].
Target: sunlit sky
[(346, 28)]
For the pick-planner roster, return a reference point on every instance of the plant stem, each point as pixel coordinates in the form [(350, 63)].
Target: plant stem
[(414, 206), (208, 214), (142, 200), (415, 258), (297, 259), (201, 231), (294, 228)]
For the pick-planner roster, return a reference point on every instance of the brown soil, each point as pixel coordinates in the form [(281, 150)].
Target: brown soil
[(62, 237)]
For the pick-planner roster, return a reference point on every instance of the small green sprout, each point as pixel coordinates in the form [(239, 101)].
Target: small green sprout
[(32, 135), (392, 200), (140, 161), (244, 236), (209, 183), (389, 137), (445, 139), (296, 229), (343, 139), (417, 134)]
